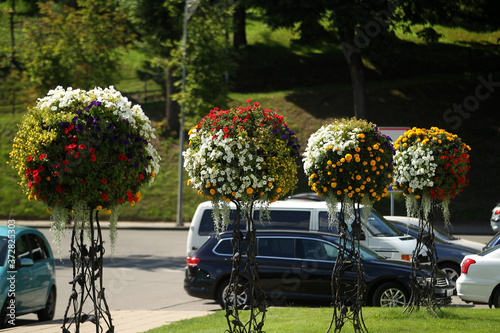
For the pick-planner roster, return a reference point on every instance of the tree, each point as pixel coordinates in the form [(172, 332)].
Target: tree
[(159, 26), (74, 47), (358, 25), (208, 58)]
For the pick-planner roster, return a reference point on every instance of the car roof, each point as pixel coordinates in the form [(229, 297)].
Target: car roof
[(289, 204), (4, 230)]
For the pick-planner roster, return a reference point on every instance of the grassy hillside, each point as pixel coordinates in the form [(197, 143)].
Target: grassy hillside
[(410, 84)]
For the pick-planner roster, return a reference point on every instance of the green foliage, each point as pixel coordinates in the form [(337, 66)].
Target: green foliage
[(74, 47), (290, 319), (207, 59)]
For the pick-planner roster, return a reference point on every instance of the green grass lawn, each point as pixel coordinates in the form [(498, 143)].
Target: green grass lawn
[(376, 320)]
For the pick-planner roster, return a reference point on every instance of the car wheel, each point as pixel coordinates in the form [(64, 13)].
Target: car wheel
[(4, 319), (390, 294), (222, 295), (451, 270), (496, 299), (47, 313)]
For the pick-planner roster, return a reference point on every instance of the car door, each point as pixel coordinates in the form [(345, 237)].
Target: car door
[(279, 269), (41, 270), (25, 286)]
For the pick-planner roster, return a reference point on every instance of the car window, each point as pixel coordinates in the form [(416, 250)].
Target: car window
[(324, 225), (22, 249), (276, 247), (207, 223), (282, 219), (225, 246), (312, 249), (38, 248), (3, 249)]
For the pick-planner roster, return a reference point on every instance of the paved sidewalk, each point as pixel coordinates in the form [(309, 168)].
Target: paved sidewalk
[(124, 321)]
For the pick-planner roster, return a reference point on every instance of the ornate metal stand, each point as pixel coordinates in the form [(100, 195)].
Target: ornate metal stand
[(347, 308), (87, 285), (249, 285), (422, 289)]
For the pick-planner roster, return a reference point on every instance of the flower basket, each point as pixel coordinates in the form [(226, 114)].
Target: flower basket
[(80, 152), (348, 162), (431, 166), (244, 155)]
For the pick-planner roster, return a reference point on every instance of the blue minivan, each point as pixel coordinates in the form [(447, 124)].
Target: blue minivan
[(27, 274)]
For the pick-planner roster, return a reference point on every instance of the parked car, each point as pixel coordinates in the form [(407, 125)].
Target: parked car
[(494, 241), (495, 218), (449, 254), (480, 279), (439, 233), (27, 275), (299, 214), (298, 266)]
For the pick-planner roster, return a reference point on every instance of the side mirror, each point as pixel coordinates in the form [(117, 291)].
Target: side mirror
[(26, 262)]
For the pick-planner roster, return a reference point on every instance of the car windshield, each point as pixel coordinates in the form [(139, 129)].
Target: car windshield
[(489, 250), (3, 250), (377, 225)]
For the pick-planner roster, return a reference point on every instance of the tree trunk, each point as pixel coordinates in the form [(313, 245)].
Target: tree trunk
[(171, 115), (239, 21), (356, 70)]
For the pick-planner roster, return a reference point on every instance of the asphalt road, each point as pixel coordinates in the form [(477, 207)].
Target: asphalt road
[(145, 272)]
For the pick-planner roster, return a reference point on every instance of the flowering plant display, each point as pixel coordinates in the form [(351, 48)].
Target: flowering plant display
[(245, 154), (349, 160), (431, 164), (80, 151)]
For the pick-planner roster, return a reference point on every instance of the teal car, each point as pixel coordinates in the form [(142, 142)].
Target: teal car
[(27, 274)]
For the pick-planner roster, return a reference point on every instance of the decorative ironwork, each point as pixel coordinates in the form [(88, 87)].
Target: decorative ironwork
[(86, 255), (423, 285), (244, 254), (348, 299)]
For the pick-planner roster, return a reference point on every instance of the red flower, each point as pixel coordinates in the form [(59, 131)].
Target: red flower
[(71, 146), (120, 200), (104, 196), (56, 173), (104, 180), (65, 162), (41, 168), (30, 158), (84, 181), (28, 172), (82, 146), (249, 100), (122, 157), (93, 158), (29, 184), (37, 179), (35, 173), (77, 154), (92, 150), (141, 176), (42, 156)]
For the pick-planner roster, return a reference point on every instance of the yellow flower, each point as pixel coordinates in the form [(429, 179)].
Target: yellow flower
[(107, 211), (249, 190), (48, 210), (348, 158), (212, 191), (278, 190), (98, 208)]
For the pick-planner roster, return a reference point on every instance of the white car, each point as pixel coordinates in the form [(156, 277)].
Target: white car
[(479, 282), (495, 218), (440, 233)]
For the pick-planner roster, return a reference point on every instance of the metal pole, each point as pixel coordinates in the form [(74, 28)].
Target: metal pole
[(180, 222)]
